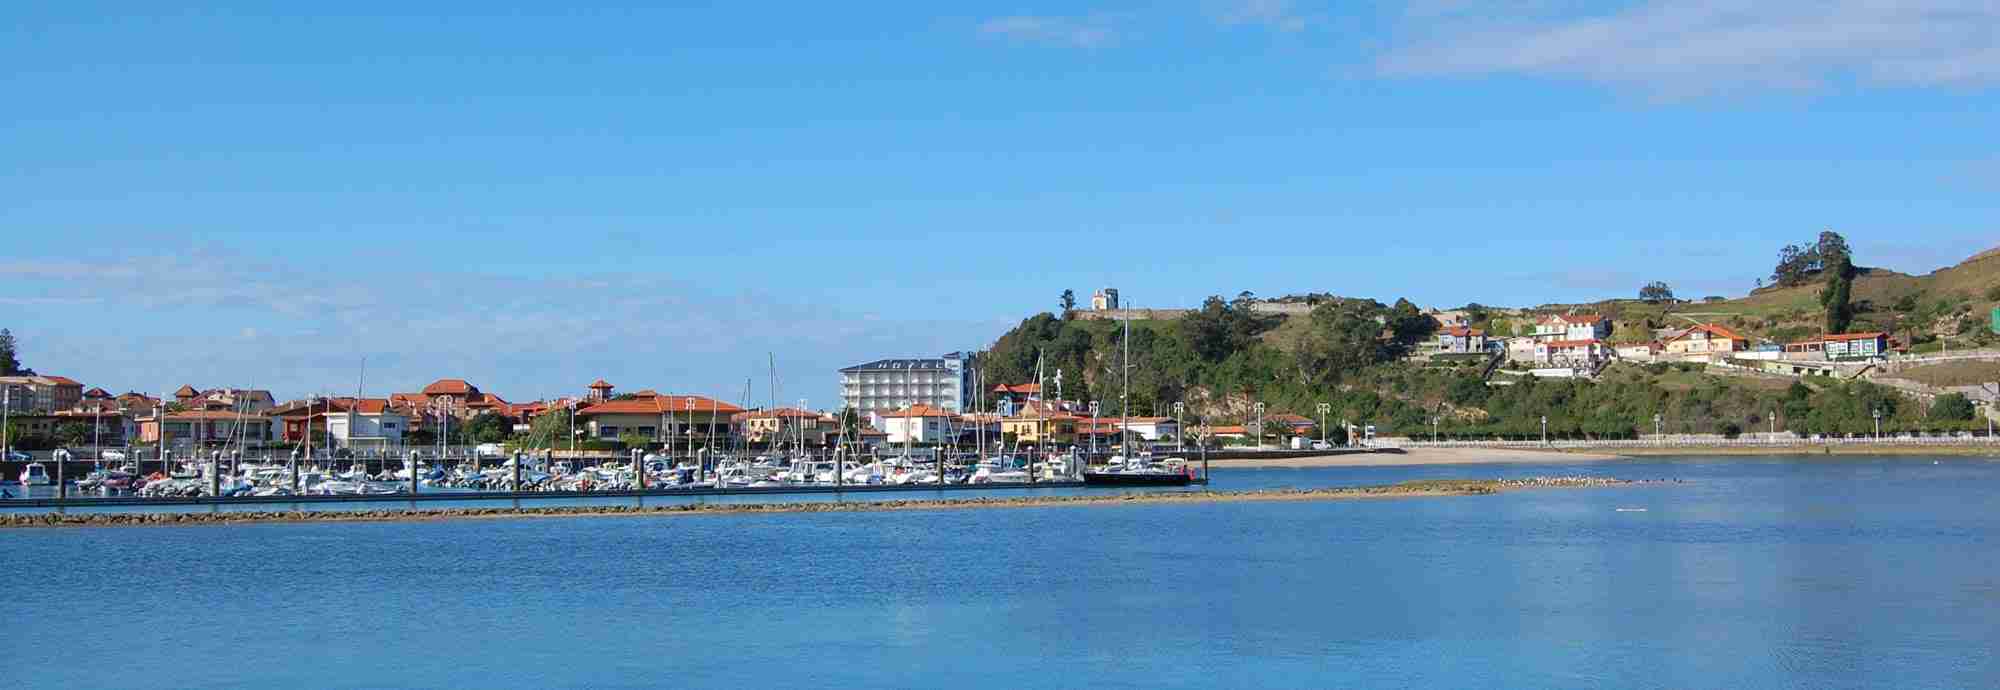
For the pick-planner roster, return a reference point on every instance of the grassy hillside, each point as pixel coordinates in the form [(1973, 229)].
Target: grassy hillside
[(1915, 308)]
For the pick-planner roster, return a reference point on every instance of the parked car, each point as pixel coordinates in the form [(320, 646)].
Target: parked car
[(18, 456), (111, 455), (490, 450), (1322, 445)]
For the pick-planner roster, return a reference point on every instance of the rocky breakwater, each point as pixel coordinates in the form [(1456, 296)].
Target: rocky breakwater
[(1429, 487)]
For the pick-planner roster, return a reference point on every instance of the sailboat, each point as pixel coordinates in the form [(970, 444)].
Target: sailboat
[(1139, 470)]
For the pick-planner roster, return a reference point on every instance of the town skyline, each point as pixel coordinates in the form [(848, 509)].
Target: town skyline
[(534, 199)]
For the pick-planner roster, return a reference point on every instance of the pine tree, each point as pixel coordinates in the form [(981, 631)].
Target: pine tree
[(9, 364)]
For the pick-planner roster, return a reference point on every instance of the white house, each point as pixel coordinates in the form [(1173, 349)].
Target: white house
[(1521, 349), (1461, 340), (1571, 352), (917, 424), (1154, 428), (1640, 352), (369, 423), (1573, 327)]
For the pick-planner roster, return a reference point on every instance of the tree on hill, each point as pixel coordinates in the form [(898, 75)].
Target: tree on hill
[(1656, 291), (1837, 296), (1068, 302), (1952, 407), (9, 364)]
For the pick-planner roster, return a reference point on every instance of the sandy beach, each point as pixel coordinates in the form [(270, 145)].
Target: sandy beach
[(1422, 456)]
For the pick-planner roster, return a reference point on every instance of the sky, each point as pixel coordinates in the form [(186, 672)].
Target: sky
[(376, 195)]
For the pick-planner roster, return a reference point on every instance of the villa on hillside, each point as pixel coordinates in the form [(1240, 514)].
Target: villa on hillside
[(1706, 341), (1460, 340), (1648, 351), (1572, 327), (1840, 346)]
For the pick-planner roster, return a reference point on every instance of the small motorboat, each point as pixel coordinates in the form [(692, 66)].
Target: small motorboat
[(35, 474)]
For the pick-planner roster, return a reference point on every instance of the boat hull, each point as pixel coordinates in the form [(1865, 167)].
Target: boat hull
[(1134, 479)]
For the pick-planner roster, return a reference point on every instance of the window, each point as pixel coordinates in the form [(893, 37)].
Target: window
[(607, 431)]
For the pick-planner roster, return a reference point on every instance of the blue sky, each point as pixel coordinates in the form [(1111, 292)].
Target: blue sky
[(534, 197)]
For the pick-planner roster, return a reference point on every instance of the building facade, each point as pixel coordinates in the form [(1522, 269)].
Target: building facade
[(1840, 346), (369, 423), (887, 385), (1459, 340), (39, 394), (1572, 327), (1704, 341), (658, 417)]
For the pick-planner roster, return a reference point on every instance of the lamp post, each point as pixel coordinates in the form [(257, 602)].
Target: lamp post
[(96, 436), (1878, 424), (1545, 430), (1324, 409), (1434, 429), (1093, 427), (1659, 426), (1180, 435), (1259, 407)]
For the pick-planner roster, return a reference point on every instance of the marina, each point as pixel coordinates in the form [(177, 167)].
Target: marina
[(1495, 590)]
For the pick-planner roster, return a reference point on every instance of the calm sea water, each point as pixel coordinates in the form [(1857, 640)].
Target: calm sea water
[(1756, 573)]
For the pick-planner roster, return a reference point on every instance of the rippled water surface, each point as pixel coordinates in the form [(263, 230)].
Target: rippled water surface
[(1755, 573)]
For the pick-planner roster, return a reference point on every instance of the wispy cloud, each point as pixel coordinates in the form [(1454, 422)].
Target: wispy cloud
[(1087, 31), (214, 318), (1282, 15), (1695, 47)]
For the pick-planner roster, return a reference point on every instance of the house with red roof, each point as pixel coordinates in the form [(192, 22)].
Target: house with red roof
[(1705, 341), (1572, 327), (918, 424), (1571, 353), (43, 394), (783, 423), (657, 416), (1460, 340)]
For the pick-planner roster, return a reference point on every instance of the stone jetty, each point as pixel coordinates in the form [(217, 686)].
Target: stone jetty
[(1430, 487)]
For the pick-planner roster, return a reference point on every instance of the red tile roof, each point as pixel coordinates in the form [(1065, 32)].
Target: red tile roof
[(212, 415), (1710, 329), (97, 393), (186, 391), (1021, 388), (658, 404), (1463, 332), (63, 380), (599, 384), (1227, 430), (917, 411), (450, 387)]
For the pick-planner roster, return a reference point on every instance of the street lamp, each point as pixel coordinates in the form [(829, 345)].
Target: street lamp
[(1093, 427), (1324, 409), (1659, 426), (1878, 424), (1180, 435), (1545, 430), (1434, 429), (1259, 407)]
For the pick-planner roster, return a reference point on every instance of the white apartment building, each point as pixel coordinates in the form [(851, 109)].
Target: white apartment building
[(371, 423), (885, 385)]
